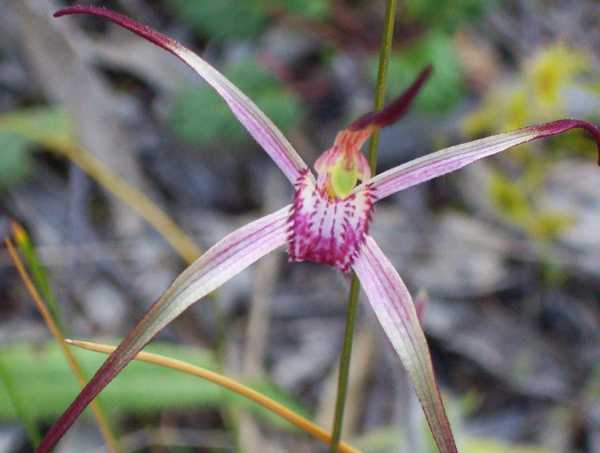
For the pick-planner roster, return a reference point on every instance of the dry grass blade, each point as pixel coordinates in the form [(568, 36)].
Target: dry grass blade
[(230, 384), (65, 145), (139, 202), (101, 418)]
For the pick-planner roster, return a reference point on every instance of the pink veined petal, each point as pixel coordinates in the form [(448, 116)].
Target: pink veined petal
[(327, 230), (450, 159), (396, 312), (256, 122), (220, 263)]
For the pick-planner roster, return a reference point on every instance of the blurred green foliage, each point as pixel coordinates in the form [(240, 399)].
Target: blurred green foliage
[(446, 15), (18, 131), (15, 159), (390, 438), (222, 19), (481, 445), (199, 115), (445, 86), (17, 400), (42, 374), (40, 124)]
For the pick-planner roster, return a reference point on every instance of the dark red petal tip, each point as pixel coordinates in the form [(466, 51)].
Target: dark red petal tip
[(564, 125), (393, 111), (140, 29)]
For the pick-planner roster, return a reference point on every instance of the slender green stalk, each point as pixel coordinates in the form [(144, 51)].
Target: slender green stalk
[(344, 372), (384, 58), (19, 405), (39, 276), (343, 376)]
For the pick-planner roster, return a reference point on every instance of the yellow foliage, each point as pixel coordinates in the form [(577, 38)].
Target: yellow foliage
[(511, 199), (551, 70), (548, 225), (534, 96)]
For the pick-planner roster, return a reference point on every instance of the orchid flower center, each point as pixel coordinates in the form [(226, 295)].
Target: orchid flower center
[(329, 222), (342, 166)]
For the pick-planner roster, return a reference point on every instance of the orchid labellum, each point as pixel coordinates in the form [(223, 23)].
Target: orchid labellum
[(327, 222)]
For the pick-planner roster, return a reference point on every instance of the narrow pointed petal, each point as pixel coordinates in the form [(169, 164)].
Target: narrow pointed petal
[(256, 122), (395, 109), (450, 159), (396, 312), (220, 263)]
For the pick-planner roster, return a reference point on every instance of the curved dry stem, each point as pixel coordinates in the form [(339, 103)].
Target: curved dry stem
[(227, 383), (115, 184), (146, 208)]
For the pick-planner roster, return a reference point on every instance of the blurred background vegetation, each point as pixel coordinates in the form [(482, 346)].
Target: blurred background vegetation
[(95, 123)]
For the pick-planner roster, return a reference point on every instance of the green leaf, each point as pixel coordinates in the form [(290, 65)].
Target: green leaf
[(199, 116), (45, 125), (42, 374), (40, 124), (15, 159)]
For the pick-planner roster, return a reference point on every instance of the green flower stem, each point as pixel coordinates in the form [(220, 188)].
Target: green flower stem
[(343, 376), (384, 59)]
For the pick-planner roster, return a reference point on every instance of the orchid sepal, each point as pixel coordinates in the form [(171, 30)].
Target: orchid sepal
[(456, 157), (260, 127), (397, 314), (220, 263)]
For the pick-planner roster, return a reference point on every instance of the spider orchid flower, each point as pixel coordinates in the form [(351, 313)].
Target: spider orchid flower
[(327, 222)]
